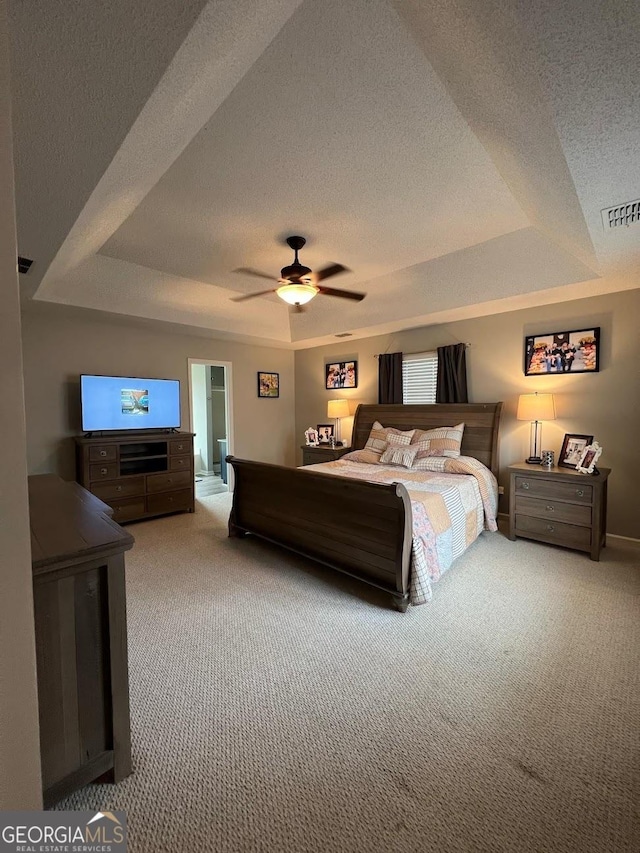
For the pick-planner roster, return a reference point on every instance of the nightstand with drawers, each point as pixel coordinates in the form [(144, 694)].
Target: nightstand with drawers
[(312, 455), (559, 506)]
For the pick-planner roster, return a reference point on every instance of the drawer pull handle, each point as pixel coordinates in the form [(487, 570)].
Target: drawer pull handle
[(103, 453), (103, 470), (550, 528), (170, 500), (169, 480), (525, 485), (118, 488), (580, 493), (550, 508), (179, 447)]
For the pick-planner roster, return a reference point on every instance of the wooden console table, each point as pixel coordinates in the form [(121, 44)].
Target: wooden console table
[(81, 636), (138, 475)]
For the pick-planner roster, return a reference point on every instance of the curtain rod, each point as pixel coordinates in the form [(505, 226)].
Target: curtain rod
[(419, 352)]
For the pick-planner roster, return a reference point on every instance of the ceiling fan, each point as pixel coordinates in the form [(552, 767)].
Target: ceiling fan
[(298, 284)]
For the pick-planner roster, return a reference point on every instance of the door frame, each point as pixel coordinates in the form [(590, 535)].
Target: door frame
[(228, 394)]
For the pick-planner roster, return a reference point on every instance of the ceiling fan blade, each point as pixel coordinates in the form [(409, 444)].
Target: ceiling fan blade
[(257, 273), (327, 272), (343, 294), (251, 295)]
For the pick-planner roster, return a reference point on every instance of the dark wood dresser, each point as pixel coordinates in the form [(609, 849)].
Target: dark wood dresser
[(77, 555), (139, 476), (559, 506), (322, 453)]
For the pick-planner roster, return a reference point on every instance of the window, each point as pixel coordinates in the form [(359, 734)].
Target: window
[(419, 374)]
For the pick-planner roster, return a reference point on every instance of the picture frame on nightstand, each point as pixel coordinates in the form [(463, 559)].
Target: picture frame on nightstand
[(325, 433), (572, 449), (311, 437), (590, 455)]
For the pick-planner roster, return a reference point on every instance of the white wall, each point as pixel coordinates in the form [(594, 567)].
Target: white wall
[(20, 784)]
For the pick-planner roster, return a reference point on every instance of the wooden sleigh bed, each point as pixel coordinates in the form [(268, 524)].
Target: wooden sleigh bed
[(361, 528)]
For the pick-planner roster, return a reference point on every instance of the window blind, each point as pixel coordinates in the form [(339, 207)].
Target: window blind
[(419, 375)]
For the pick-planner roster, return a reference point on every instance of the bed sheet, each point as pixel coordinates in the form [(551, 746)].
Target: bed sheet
[(451, 505)]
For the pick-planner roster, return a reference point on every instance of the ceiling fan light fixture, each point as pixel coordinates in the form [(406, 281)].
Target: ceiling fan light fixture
[(297, 294)]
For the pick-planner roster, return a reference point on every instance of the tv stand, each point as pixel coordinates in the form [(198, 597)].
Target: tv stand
[(138, 475)]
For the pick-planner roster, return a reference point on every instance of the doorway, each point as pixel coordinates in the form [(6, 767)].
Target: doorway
[(211, 421)]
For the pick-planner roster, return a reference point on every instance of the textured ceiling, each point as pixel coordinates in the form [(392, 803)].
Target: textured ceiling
[(454, 154)]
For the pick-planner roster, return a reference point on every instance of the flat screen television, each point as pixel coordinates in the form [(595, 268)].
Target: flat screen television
[(126, 403)]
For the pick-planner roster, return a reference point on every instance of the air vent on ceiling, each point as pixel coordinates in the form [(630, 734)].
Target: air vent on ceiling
[(344, 335), (24, 264), (621, 215)]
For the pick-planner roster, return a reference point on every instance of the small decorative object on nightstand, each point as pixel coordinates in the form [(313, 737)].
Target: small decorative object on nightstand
[(311, 437), (322, 453), (559, 506)]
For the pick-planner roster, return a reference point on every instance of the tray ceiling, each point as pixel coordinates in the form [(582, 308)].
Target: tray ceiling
[(455, 156)]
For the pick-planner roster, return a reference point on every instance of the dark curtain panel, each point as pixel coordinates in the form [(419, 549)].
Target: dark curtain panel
[(390, 377), (451, 386)]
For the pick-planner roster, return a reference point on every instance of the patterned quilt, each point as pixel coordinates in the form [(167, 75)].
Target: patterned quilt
[(452, 504)]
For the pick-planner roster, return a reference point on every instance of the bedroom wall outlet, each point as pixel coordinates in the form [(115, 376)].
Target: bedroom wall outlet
[(501, 490)]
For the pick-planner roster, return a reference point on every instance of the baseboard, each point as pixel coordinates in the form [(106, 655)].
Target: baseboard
[(630, 539)]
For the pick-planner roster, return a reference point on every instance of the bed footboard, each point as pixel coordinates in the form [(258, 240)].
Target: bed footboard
[(359, 528)]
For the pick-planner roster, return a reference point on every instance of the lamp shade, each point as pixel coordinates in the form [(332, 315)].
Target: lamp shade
[(338, 409), (536, 407), (297, 294)]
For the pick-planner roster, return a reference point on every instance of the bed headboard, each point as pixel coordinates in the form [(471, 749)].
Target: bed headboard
[(481, 420)]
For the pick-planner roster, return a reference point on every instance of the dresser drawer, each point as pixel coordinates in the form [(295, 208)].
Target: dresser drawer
[(180, 463), (554, 532), (167, 501), (123, 488), (167, 482), (180, 445), (103, 453), (548, 508), (127, 508), (108, 471), (538, 486), (315, 455)]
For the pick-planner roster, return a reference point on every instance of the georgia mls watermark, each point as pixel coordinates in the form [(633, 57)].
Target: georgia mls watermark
[(63, 832)]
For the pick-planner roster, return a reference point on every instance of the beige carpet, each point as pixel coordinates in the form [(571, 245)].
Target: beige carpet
[(281, 707)]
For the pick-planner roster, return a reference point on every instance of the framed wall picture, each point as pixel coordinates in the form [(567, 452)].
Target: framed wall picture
[(325, 433), (572, 449), (341, 374), (562, 352), (268, 384)]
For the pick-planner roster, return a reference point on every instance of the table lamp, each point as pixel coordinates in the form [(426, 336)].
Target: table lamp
[(338, 409), (536, 408)]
